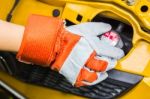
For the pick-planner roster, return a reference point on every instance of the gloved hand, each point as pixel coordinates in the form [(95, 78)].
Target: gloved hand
[(76, 52), (105, 51)]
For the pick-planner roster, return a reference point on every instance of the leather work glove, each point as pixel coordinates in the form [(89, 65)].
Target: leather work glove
[(75, 52)]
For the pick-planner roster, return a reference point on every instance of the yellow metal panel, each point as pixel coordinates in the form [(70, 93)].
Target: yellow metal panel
[(138, 60), (54, 2), (143, 17), (5, 7), (135, 9), (71, 11), (28, 7)]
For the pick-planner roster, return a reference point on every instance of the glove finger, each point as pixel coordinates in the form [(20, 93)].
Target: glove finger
[(89, 28), (101, 76), (85, 75), (103, 49), (96, 64), (111, 62), (102, 63)]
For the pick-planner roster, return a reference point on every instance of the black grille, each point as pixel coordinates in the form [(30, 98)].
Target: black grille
[(115, 85), (109, 88)]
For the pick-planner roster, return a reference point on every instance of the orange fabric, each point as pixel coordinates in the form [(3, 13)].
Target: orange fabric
[(85, 75), (95, 64), (40, 36), (45, 41), (68, 41)]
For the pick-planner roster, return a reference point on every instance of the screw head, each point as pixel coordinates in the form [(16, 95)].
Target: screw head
[(130, 2)]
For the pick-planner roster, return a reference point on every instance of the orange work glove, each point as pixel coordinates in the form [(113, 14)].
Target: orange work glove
[(72, 53)]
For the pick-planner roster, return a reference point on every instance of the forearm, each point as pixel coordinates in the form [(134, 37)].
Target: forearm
[(10, 36)]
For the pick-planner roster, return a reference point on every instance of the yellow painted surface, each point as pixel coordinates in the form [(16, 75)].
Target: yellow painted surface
[(135, 9), (5, 7), (27, 7), (136, 61)]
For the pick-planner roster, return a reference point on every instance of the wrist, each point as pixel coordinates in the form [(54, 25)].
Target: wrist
[(11, 36)]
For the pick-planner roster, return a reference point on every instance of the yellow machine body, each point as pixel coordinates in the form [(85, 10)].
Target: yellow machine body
[(137, 61)]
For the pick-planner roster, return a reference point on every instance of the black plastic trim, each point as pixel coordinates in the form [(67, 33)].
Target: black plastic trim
[(124, 76), (114, 86)]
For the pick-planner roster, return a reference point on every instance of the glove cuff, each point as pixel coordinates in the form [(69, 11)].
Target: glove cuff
[(39, 41)]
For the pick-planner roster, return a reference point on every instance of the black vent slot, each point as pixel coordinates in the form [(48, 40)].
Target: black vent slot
[(79, 18), (68, 22)]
